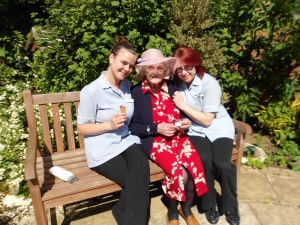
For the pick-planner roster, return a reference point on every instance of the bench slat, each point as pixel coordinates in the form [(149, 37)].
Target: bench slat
[(80, 136), (46, 129), (57, 127), (56, 98), (69, 126)]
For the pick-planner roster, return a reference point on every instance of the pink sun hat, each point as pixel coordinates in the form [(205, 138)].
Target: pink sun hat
[(154, 56)]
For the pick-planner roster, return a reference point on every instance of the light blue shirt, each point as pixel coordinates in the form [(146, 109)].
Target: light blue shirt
[(99, 101), (204, 95)]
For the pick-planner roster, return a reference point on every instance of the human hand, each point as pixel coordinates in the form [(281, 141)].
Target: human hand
[(167, 129), (185, 124), (178, 99), (118, 120)]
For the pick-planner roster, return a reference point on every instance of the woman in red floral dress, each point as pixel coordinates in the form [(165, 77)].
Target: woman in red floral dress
[(157, 121)]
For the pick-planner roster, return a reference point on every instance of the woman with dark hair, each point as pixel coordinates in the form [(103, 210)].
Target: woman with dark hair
[(211, 132), (158, 123), (110, 148)]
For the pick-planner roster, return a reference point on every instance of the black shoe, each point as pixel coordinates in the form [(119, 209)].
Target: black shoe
[(212, 215), (233, 217), (117, 217)]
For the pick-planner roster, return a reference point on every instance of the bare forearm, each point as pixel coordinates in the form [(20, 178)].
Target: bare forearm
[(204, 119), (94, 129)]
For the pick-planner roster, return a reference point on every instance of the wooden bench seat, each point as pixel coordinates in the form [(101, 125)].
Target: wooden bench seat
[(53, 141)]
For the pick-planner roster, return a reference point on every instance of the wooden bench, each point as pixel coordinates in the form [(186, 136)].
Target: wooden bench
[(53, 141)]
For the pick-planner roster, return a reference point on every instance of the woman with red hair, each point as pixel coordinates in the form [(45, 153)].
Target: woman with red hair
[(211, 132)]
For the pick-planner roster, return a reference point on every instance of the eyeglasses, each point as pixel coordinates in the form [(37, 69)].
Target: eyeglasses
[(180, 69), (160, 69)]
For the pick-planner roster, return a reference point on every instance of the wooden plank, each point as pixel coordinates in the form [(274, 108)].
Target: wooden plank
[(37, 203), (243, 127), (56, 97), (31, 152), (46, 130), (84, 184), (57, 127), (80, 136), (63, 162), (30, 116), (81, 196), (60, 155), (69, 126)]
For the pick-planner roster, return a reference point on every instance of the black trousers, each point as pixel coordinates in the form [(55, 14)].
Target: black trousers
[(131, 171), (216, 160)]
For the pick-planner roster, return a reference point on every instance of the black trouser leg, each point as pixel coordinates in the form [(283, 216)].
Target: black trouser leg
[(131, 171), (204, 149), (225, 172)]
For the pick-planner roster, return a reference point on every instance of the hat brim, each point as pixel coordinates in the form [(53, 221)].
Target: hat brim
[(171, 63)]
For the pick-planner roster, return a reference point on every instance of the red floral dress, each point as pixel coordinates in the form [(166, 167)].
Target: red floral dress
[(171, 153)]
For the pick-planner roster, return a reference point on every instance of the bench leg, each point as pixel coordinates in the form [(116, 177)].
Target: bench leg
[(38, 206)]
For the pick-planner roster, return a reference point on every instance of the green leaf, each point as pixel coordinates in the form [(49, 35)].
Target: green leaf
[(115, 3)]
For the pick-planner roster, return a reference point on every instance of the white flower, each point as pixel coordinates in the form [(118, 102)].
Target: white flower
[(13, 201)]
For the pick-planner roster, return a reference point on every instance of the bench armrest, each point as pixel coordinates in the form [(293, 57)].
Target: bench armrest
[(242, 127), (30, 160)]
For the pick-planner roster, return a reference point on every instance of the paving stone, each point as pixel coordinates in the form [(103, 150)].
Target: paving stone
[(275, 214), (252, 170), (294, 174), (286, 189), (255, 187)]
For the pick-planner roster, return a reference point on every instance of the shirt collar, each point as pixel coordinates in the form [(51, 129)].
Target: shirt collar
[(196, 82), (146, 87), (104, 82)]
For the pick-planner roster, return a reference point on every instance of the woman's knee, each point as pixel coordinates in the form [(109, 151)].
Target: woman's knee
[(225, 169)]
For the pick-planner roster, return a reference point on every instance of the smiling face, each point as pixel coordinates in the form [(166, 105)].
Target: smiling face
[(122, 64), (186, 73), (155, 74)]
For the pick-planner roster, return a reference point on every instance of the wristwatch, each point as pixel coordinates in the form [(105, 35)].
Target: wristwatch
[(148, 129)]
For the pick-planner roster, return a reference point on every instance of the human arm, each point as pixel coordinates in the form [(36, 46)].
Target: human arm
[(205, 106), (202, 118), (142, 121), (185, 124), (91, 118), (89, 128)]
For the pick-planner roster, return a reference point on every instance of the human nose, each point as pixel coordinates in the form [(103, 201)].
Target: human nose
[(184, 71), (127, 67)]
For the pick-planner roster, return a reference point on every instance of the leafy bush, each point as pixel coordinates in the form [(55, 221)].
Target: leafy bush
[(261, 43), (282, 120), (190, 21), (74, 42)]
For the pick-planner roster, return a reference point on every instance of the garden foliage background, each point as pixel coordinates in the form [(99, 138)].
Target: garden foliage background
[(251, 47)]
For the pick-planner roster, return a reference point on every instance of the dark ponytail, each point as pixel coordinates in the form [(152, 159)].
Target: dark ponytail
[(122, 42)]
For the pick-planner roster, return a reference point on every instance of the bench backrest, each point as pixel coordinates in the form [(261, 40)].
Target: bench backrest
[(55, 114)]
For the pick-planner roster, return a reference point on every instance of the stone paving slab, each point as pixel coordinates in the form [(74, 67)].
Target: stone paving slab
[(276, 214), (255, 187), (287, 189)]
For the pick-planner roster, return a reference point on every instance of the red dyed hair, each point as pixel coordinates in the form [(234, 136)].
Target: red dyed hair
[(188, 56)]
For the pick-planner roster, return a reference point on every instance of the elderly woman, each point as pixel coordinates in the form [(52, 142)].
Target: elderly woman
[(156, 121)]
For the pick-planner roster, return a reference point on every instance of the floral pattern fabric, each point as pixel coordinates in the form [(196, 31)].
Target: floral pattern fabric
[(171, 153)]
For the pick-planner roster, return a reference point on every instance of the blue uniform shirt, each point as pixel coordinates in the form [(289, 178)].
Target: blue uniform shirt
[(99, 101), (204, 95)]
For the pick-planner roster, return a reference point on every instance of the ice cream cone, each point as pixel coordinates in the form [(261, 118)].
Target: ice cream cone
[(123, 108)]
